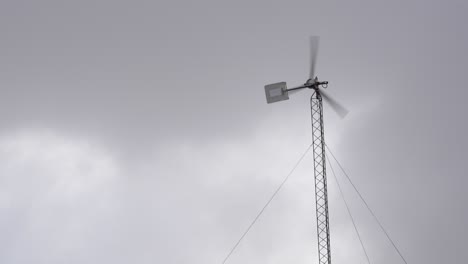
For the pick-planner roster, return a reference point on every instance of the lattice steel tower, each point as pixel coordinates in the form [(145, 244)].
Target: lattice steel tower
[(279, 92), (320, 173)]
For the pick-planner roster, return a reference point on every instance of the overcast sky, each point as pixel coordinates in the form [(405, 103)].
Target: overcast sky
[(138, 132)]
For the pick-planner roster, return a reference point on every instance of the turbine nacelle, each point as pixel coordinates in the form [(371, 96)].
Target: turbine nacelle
[(279, 91), (314, 84), (311, 81)]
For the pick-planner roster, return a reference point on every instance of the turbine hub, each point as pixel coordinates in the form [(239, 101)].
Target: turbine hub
[(314, 84)]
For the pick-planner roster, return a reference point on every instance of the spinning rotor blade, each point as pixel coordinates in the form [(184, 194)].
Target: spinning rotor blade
[(337, 107), (314, 45)]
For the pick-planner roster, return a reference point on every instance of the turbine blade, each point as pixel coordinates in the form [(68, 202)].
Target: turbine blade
[(314, 45), (337, 107)]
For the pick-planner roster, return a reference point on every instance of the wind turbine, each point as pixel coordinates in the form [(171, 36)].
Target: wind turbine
[(279, 92)]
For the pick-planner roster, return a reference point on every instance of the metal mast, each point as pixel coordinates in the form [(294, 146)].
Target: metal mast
[(321, 195)]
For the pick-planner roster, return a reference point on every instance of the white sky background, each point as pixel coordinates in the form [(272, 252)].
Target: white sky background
[(138, 132)]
